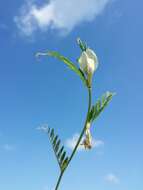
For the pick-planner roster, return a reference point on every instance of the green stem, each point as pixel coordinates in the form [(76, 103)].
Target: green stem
[(59, 180), (79, 139), (82, 133)]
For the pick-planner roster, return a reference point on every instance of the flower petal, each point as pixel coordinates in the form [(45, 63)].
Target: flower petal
[(83, 61)]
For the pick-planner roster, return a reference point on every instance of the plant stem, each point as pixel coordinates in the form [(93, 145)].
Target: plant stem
[(82, 133), (59, 180), (79, 139)]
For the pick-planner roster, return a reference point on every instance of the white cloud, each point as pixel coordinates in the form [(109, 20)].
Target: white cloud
[(71, 142), (112, 178), (8, 147), (63, 15)]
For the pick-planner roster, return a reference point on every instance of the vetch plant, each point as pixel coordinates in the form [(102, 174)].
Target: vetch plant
[(88, 63)]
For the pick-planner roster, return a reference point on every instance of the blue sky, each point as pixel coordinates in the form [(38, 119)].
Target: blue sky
[(35, 92)]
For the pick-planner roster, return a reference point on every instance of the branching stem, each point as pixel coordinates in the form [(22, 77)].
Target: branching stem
[(79, 139)]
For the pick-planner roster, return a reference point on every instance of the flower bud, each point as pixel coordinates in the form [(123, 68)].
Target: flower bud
[(88, 63)]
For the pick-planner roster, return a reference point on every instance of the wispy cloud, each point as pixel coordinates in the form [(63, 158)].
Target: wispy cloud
[(112, 178), (63, 15), (71, 142)]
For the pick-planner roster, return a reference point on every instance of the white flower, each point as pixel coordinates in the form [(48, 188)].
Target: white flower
[(88, 61), (87, 142)]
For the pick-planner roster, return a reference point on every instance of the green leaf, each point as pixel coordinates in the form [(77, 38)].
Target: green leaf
[(55, 140), (62, 157), (52, 134), (81, 44), (101, 104), (65, 162), (57, 145), (98, 105), (70, 64), (60, 153), (90, 116)]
